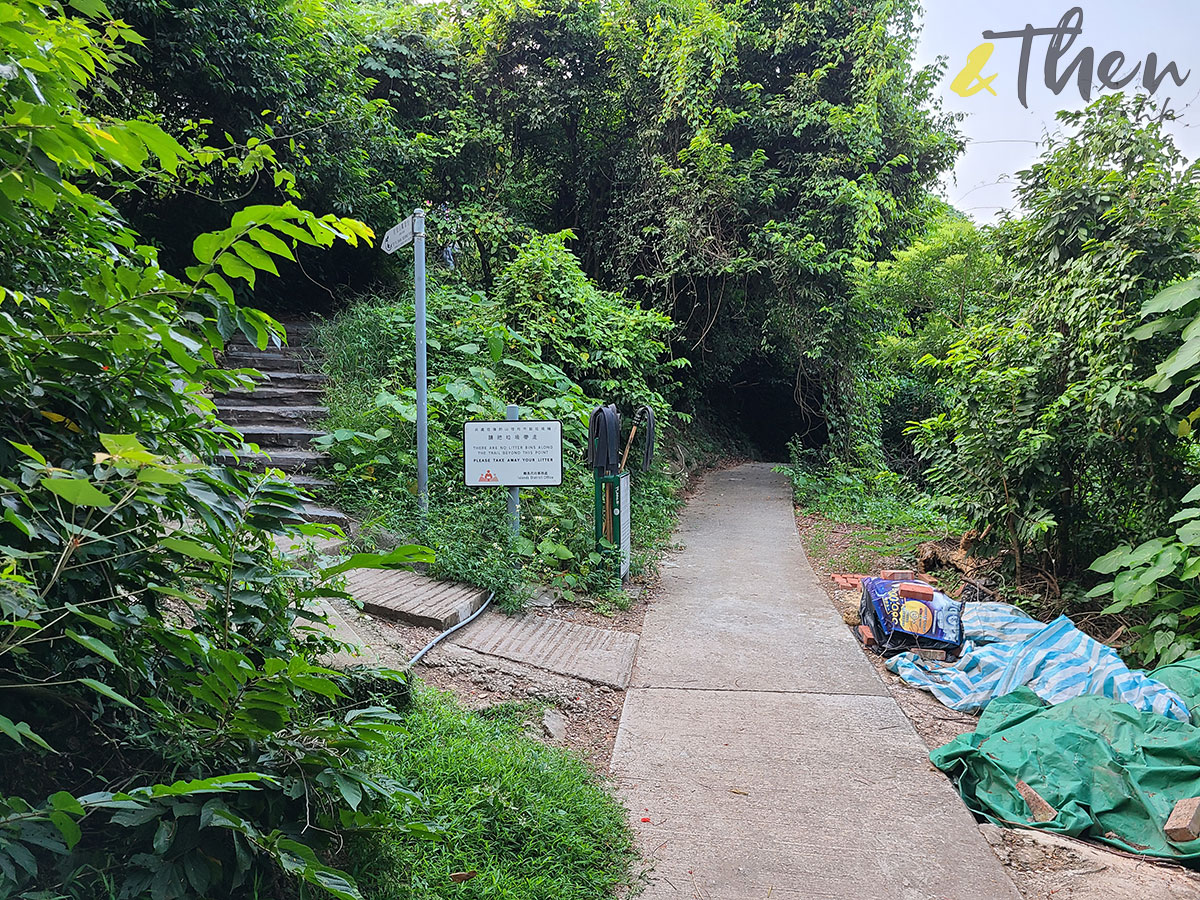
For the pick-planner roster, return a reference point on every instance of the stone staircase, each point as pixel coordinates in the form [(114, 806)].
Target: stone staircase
[(282, 414)]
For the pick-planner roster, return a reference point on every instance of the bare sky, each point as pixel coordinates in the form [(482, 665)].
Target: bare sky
[(1004, 137)]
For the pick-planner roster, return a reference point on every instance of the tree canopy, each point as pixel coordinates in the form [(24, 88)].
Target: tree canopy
[(724, 163)]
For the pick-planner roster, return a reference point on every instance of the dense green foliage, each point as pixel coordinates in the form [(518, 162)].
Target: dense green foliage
[(167, 729), (719, 167), (546, 340), (864, 495), (1049, 385), (333, 91), (711, 207), (879, 515), (1053, 440), (723, 163), (531, 821), (1157, 580), (775, 145), (923, 298)]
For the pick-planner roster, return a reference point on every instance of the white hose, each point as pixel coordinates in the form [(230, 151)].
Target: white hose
[(449, 631)]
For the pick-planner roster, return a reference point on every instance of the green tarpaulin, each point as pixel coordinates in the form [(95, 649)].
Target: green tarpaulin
[(1113, 773)]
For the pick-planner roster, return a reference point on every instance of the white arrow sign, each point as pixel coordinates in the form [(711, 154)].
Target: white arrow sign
[(400, 236)]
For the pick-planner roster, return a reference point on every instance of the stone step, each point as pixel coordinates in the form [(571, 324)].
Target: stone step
[(314, 512), (298, 327), (412, 598), (290, 380), (294, 546), (295, 379), (239, 345), (288, 460), (266, 362), (272, 436), (265, 414), (599, 655), (310, 482), (294, 328), (267, 395)]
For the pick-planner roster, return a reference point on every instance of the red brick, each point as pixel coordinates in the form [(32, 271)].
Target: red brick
[(897, 575), (928, 579), (915, 590), (866, 636), (1183, 825)]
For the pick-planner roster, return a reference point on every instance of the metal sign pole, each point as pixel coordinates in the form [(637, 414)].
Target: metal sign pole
[(422, 366), (512, 414)]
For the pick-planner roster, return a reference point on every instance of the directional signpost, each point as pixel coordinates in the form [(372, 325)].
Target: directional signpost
[(400, 236), (412, 230)]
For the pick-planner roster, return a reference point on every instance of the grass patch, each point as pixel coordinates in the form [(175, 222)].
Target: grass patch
[(863, 517), (533, 821)]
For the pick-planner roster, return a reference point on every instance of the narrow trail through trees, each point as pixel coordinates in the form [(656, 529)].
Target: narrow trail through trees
[(759, 753)]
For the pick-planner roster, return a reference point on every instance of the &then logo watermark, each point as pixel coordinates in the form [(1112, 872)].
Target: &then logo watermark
[(1112, 72)]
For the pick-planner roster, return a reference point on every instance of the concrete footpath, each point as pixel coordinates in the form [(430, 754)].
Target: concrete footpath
[(762, 746)]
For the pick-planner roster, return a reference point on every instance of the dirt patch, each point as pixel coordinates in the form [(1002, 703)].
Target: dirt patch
[(630, 619), (1048, 866), (841, 547)]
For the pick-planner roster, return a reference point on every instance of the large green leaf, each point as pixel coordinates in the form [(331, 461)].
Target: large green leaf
[(67, 827), (30, 452), (1175, 297), (77, 491), (96, 645), (1185, 358), (1189, 533), (154, 475), (127, 447), (20, 731), (205, 246), (255, 256), (271, 243), (1150, 329), (1112, 561), (1164, 564), (65, 802), (105, 691), (401, 558), (1145, 552), (193, 550)]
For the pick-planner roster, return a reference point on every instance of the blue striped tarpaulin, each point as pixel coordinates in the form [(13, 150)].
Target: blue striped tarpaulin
[(1003, 649)]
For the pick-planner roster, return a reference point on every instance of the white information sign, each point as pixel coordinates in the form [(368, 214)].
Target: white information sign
[(400, 236), (512, 454)]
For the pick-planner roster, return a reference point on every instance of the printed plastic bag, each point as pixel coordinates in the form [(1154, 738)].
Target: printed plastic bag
[(901, 623)]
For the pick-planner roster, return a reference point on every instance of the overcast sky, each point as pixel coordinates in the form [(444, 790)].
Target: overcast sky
[(1004, 137)]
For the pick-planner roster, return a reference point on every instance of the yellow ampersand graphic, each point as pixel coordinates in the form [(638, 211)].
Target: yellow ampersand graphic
[(970, 80)]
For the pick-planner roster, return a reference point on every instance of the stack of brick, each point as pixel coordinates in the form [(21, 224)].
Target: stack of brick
[(848, 582)]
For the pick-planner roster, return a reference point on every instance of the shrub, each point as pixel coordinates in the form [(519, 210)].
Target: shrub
[(482, 360), (167, 731), (530, 820), (1051, 442)]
